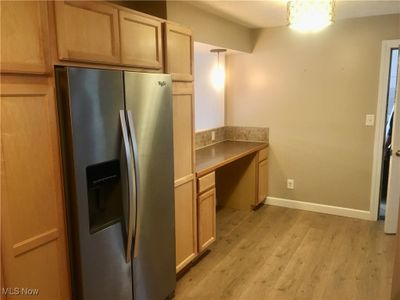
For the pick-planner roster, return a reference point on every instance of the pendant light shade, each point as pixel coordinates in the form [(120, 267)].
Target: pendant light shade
[(218, 72), (310, 15)]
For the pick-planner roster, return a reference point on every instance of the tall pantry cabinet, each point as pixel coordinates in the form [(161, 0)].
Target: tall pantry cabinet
[(33, 240), (179, 63)]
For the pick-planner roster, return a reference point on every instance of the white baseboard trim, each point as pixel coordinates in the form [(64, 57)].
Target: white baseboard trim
[(320, 208)]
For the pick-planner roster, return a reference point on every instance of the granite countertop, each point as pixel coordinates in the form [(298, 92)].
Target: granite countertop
[(214, 156)]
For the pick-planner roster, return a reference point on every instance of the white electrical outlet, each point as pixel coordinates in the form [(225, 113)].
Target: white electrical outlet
[(212, 136), (369, 120), (290, 184)]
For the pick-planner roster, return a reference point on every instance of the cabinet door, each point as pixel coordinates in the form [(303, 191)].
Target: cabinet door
[(33, 233), (24, 37), (262, 180), (179, 52), (87, 31), (183, 129), (206, 219), (141, 44), (185, 223), (185, 207)]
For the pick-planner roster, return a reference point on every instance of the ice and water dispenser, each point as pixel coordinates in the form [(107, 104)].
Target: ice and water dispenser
[(104, 194)]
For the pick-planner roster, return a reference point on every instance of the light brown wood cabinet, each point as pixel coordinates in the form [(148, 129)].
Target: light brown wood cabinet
[(179, 52), (87, 31), (185, 193), (262, 176), (185, 223), (183, 109), (205, 182), (33, 245), (141, 41), (206, 221), (82, 33), (24, 37)]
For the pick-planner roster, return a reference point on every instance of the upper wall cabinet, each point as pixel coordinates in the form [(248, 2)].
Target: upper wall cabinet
[(141, 43), (27, 52), (87, 31), (179, 52)]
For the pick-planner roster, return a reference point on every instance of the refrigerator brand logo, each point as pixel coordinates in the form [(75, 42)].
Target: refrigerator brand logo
[(162, 83)]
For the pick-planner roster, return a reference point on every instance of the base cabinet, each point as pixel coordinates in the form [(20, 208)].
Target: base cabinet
[(185, 224), (206, 219), (206, 210)]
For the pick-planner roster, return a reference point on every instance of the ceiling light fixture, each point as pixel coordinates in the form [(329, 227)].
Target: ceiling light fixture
[(310, 15), (218, 73)]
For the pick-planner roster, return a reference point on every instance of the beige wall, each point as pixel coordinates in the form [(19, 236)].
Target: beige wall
[(209, 28), (210, 102), (313, 92)]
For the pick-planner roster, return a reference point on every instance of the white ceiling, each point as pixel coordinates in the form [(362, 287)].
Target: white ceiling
[(270, 13)]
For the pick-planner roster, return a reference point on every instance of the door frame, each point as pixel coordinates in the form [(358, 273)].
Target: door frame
[(380, 125)]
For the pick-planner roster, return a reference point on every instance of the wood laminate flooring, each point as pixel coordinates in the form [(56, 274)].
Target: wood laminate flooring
[(280, 253)]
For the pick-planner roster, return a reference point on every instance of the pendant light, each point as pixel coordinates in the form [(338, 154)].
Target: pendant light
[(310, 15), (218, 73)]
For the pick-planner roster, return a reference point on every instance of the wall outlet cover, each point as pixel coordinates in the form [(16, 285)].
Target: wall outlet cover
[(369, 120), (290, 184)]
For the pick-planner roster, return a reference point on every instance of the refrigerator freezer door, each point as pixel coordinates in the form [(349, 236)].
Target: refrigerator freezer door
[(148, 101), (97, 181)]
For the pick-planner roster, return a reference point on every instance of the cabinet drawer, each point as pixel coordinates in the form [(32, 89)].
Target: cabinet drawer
[(263, 154), (206, 182)]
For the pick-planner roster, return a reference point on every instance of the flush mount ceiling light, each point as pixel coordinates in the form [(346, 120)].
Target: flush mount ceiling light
[(218, 73), (310, 15)]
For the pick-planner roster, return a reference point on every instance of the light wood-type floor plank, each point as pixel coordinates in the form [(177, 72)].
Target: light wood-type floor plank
[(278, 253)]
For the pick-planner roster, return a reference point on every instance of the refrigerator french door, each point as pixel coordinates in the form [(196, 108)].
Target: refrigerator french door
[(116, 135)]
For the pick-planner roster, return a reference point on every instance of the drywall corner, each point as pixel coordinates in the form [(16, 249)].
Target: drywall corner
[(209, 28)]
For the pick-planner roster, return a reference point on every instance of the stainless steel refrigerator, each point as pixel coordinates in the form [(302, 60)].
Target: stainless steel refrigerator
[(117, 145)]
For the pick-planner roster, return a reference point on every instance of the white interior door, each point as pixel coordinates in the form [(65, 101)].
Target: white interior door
[(393, 194)]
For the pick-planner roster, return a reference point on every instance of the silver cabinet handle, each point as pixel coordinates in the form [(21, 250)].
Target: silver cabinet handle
[(136, 168), (131, 188), (398, 153)]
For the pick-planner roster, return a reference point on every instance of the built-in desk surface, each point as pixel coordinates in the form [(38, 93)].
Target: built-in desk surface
[(212, 157)]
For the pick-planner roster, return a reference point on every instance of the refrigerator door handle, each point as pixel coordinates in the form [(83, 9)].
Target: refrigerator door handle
[(131, 222), (136, 168)]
